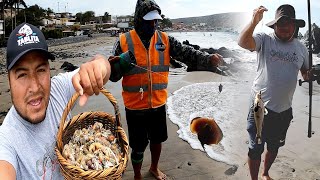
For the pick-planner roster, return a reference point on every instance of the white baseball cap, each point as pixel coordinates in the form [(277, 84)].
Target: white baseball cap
[(152, 15)]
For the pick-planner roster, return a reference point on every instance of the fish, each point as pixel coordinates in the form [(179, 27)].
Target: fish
[(207, 130), (220, 88), (259, 112)]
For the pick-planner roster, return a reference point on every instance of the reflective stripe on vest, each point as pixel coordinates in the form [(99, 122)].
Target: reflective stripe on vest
[(145, 87), (161, 56)]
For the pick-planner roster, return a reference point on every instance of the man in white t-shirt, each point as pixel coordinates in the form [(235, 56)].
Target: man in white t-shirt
[(27, 135), (280, 56)]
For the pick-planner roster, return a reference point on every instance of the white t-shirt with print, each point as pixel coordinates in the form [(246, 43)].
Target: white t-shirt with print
[(278, 67)]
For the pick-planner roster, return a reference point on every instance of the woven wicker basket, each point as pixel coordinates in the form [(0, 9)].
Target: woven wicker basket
[(84, 120)]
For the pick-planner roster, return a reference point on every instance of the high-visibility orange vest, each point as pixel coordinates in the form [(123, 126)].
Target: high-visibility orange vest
[(143, 89)]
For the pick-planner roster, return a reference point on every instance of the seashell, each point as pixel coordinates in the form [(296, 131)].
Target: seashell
[(97, 126), (84, 131), (107, 164), (94, 146), (106, 133), (111, 138), (66, 151), (91, 138), (85, 150), (90, 164), (96, 163), (98, 135)]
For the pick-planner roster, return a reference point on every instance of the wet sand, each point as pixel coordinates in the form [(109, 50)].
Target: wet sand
[(298, 159)]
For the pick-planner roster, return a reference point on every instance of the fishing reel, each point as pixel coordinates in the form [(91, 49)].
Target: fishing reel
[(315, 74)]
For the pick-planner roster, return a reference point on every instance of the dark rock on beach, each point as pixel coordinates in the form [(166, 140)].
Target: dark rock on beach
[(68, 66), (186, 42), (65, 55), (175, 64), (223, 69)]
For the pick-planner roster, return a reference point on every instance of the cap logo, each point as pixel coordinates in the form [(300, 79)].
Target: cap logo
[(26, 36)]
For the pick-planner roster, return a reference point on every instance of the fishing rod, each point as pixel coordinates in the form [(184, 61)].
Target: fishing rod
[(310, 68), (314, 72)]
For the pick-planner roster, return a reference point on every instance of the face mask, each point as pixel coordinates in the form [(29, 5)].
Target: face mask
[(148, 28)]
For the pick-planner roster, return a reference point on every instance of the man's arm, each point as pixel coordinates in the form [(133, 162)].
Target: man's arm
[(193, 58), (246, 39), (91, 77), (7, 171), (305, 66), (116, 73)]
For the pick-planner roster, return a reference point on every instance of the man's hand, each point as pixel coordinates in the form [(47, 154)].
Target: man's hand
[(258, 15), (246, 39), (91, 77), (306, 74), (216, 60)]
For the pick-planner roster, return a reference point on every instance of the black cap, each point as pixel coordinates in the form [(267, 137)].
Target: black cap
[(287, 11), (23, 39)]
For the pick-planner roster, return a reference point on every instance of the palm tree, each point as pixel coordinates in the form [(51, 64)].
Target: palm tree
[(15, 4), (2, 18), (4, 5)]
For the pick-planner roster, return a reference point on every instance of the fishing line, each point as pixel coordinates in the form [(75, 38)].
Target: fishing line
[(220, 85), (148, 70), (220, 73), (141, 90)]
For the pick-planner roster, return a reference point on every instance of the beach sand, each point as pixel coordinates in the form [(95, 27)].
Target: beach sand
[(298, 159)]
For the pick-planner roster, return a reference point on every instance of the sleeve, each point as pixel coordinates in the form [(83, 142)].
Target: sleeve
[(7, 152), (116, 73), (62, 84), (62, 87), (258, 38), (62, 90), (194, 59)]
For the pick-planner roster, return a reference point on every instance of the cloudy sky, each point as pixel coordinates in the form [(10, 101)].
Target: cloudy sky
[(182, 8)]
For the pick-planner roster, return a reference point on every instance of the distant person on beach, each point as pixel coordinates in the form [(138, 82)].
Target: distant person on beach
[(27, 135), (280, 56), (145, 85)]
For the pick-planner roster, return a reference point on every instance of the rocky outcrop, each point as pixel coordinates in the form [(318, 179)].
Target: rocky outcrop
[(186, 42), (315, 38), (231, 55)]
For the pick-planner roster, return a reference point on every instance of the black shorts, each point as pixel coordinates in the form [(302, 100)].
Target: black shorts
[(146, 125), (274, 130)]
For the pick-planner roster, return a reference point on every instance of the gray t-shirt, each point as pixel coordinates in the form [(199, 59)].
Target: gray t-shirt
[(278, 67), (30, 147)]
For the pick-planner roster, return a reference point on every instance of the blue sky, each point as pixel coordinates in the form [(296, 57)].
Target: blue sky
[(183, 8)]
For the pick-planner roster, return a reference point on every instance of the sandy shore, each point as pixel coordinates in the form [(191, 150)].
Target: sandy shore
[(298, 159)]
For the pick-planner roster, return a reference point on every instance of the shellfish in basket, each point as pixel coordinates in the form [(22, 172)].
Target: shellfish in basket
[(92, 145), (94, 148)]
